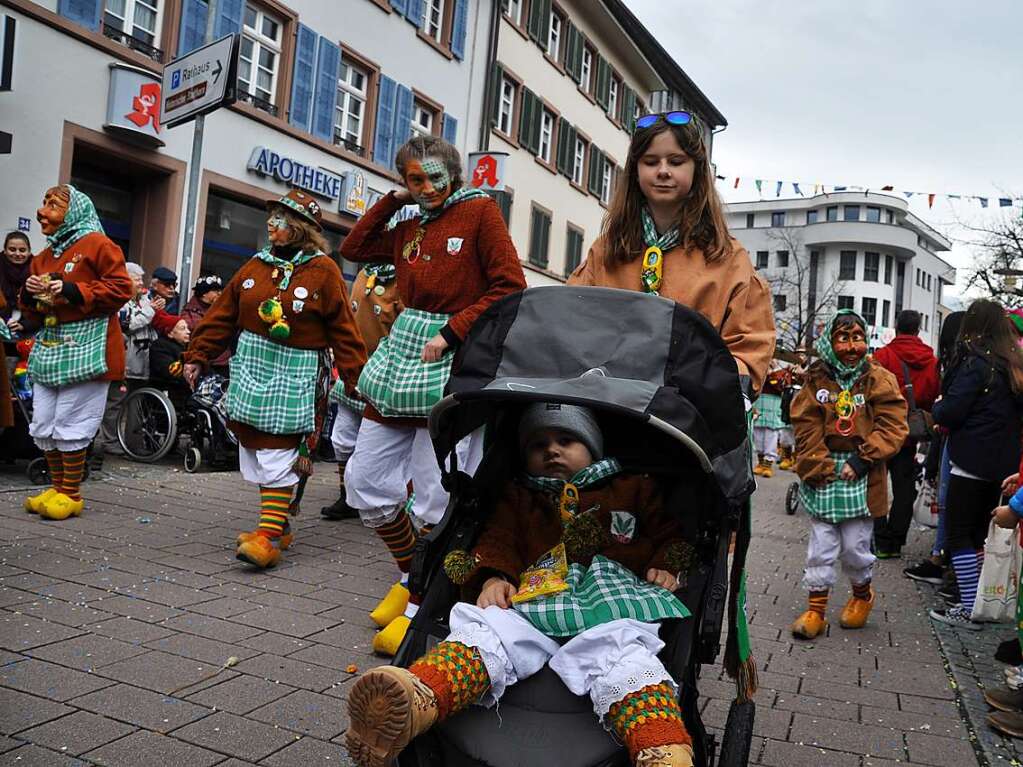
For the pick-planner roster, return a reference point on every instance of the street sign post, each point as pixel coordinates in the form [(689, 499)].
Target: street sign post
[(199, 82)]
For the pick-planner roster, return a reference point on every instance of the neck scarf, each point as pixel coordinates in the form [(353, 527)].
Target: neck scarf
[(653, 259), (844, 374), (81, 219), (12, 279), (568, 490), (286, 266), (666, 241), (427, 215), (380, 273)]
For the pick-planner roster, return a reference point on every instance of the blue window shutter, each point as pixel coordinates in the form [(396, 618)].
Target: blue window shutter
[(383, 144), (84, 12), (414, 12), (402, 117), (302, 85), (193, 25), (401, 6), (325, 98), (459, 26), (450, 130), (229, 18)]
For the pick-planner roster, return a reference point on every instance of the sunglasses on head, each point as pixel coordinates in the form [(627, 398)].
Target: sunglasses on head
[(677, 117)]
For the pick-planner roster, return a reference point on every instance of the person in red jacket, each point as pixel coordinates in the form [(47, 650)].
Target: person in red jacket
[(906, 354)]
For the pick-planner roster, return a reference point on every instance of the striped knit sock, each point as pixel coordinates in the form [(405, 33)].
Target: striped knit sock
[(273, 510), (861, 591), (819, 602), (965, 563), (648, 718), (456, 675), (400, 539), (55, 463), (74, 468)]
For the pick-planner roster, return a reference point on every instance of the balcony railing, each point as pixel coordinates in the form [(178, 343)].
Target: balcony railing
[(348, 144), (133, 42), (257, 102)]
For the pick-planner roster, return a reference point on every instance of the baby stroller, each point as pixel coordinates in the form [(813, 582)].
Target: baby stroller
[(792, 494), (668, 397)]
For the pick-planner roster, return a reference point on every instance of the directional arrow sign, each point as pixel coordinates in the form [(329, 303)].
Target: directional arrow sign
[(194, 85)]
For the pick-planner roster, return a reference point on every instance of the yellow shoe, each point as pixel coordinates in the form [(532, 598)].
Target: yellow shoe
[(391, 606), (60, 506), (388, 640), (34, 503), (809, 625), (259, 551), (284, 542), (856, 612), (766, 471), (786, 464)]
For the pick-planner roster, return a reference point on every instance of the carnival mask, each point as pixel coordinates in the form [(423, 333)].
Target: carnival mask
[(278, 229), (850, 344), (429, 181), (55, 206)]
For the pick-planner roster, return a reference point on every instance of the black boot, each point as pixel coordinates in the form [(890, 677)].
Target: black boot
[(339, 510)]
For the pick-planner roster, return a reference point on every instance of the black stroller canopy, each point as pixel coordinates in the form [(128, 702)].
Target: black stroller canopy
[(621, 351)]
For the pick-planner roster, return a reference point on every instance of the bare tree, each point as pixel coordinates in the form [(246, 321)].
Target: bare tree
[(997, 245), (805, 302)]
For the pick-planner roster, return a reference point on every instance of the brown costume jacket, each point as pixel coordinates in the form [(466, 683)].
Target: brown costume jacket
[(374, 325), (526, 523), (97, 268), (729, 293), (879, 429), (325, 321)]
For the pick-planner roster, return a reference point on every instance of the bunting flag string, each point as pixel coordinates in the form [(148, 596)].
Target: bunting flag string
[(983, 201)]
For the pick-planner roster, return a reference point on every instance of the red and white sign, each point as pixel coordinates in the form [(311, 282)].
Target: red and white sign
[(486, 170)]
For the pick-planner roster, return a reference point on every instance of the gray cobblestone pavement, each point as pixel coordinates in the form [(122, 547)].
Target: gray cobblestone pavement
[(116, 629)]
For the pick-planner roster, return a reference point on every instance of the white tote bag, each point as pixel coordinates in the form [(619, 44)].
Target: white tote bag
[(999, 578), (925, 508)]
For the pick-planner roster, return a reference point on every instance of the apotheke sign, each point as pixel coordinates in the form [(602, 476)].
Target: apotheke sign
[(320, 182)]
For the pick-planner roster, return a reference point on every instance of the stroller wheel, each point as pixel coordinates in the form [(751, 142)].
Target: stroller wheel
[(38, 471), (147, 426), (792, 499), (193, 460)]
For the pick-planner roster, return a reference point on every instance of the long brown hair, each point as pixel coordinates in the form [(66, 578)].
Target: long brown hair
[(305, 236), (421, 147), (702, 223), (987, 330)]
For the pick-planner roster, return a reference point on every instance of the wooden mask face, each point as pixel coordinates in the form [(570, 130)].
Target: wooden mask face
[(55, 206)]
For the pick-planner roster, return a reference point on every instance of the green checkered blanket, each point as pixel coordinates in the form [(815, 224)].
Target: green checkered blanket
[(69, 353), (604, 592), (272, 387), (396, 380), (839, 500), (768, 407), (5, 332)]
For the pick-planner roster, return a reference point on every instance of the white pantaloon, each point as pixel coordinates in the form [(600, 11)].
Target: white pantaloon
[(268, 467), (786, 438), (766, 442), (345, 431), (386, 457), (850, 541), (607, 662), (67, 418)]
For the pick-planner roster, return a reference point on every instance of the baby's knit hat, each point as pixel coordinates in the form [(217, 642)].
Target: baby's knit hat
[(574, 419)]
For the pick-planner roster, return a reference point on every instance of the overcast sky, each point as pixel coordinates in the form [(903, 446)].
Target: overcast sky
[(926, 95)]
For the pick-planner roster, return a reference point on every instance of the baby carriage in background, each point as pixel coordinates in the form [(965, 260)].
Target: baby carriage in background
[(787, 395), (667, 394)]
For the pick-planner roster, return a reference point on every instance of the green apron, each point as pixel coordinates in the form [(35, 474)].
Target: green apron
[(69, 353), (836, 501)]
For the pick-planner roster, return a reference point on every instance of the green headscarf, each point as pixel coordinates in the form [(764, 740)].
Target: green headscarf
[(845, 375), (81, 219)]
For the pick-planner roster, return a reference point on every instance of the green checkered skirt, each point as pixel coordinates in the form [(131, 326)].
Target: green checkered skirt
[(272, 387), (605, 592), (839, 500), (337, 394), (768, 407), (396, 380), (69, 353)]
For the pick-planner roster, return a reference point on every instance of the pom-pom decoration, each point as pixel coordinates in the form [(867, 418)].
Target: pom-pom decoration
[(280, 331), (459, 566), (271, 311), (584, 536)]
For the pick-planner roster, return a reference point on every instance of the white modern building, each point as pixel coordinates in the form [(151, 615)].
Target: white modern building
[(333, 86), (856, 250), (569, 78)]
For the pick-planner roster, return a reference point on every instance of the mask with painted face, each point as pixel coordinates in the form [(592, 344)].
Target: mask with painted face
[(279, 231), (428, 181)]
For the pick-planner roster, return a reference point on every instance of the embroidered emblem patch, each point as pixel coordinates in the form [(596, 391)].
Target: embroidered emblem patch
[(859, 400), (68, 267), (379, 290), (355, 306), (623, 526), (301, 292), (823, 395), (297, 306), (377, 310), (248, 283), (455, 245)]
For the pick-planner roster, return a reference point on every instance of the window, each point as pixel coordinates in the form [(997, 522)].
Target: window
[(782, 258), (886, 311), (546, 136), (424, 119), (232, 229), (811, 216), (504, 203), (900, 285), (260, 56), (780, 302), (927, 323), (873, 215), (917, 278), (846, 302), (847, 265), (888, 270), (811, 288), (513, 10), (871, 266), (539, 237), (889, 217), (433, 19), (778, 219), (749, 220), (506, 107), (851, 213), (605, 182), (573, 249), (136, 20), (928, 283), (586, 70), (869, 310), (554, 36), (352, 90), (579, 162), (612, 97), (832, 213), (762, 256)]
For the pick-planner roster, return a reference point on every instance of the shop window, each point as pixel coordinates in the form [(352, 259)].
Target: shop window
[(234, 231), (539, 237), (259, 60), (135, 23), (847, 265), (433, 20), (352, 95), (871, 267), (573, 249), (869, 310), (113, 195)]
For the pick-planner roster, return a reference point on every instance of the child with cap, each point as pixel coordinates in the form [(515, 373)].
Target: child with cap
[(618, 540)]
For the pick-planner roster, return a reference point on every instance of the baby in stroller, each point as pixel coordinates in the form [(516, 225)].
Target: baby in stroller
[(625, 554)]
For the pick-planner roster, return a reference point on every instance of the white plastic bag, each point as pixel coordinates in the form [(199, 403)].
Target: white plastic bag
[(925, 508), (999, 578)]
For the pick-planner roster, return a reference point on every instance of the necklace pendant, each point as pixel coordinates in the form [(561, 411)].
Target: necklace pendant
[(274, 273)]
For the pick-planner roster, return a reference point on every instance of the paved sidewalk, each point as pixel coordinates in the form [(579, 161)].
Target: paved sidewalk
[(115, 629)]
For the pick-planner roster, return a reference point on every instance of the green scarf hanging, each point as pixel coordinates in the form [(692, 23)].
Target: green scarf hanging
[(591, 475), (81, 219), (665, 241), (286, 266)]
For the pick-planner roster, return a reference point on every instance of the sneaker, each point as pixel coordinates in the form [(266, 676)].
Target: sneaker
[(957, 616), (339, 510), (949, 593), (888, 554), (926, 572)]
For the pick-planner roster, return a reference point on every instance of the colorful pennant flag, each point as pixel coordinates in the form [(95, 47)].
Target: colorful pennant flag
[(758, 182), (796, 189), (887, 188), (983, 201), (930, 201), (736, 184), (777, 189), (1004, 202)]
